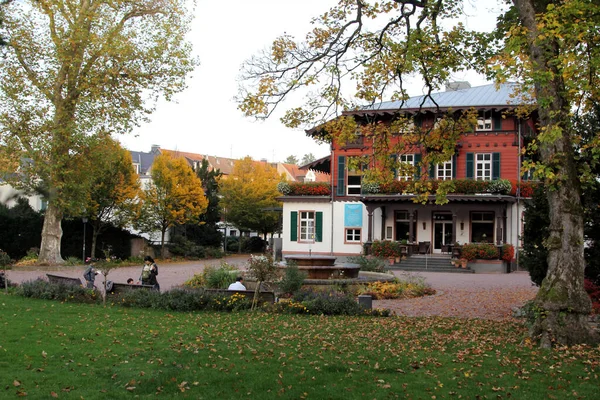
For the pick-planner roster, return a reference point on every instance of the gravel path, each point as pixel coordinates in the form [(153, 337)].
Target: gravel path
[(487, 296)]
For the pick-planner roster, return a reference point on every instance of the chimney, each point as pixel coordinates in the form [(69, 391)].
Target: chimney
[(458, 85), (155, 149)]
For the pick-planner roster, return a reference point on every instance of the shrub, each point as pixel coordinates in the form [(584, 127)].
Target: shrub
[(219, 277), (292, 279), (484, 251), (71, 261), (197, 281), (284, 188), (385, 248), (328, 303), (368, 263), (508, 252), (310, 189), (41, 289), (254, 244), (500, 186)]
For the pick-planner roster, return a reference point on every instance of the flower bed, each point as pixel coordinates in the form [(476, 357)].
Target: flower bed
[(483, 251)]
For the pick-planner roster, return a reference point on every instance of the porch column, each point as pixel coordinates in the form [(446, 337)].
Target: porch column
[(504, 225), (411, 233), (453, 229), (370, 210), (499, 229)]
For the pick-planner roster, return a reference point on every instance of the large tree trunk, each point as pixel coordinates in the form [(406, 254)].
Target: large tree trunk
[(562, 304), (51, 236)]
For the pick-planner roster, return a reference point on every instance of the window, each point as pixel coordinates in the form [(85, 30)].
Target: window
[(233, 232), (354, 183), (483, 167), (444, 171), (484, 121), (307, 226), (353, 235), (482, 227), (409, 161), (353, 187), (403, 226)]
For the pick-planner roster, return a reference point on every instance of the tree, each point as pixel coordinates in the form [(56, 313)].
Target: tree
[(173, 196), (207, 232), (250, 196), (550, 47), (115, 194), (73, 70), (291, 160), (308, 158)]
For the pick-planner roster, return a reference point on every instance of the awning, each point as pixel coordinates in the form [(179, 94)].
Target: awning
[(322, 165)]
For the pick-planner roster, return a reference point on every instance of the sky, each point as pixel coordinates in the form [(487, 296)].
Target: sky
[(204, 118)]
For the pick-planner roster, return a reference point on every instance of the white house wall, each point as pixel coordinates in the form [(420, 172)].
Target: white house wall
[(9, 196)]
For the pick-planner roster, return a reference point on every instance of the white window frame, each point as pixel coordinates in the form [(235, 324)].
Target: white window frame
[(484, 121), (307, 226), (443, 171), (353, 235), (354, 189), (483, 166), (406, 159)]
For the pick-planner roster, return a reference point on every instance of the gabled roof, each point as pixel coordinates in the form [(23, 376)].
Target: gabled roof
[(486, 96), (145, 160), (322, 165)]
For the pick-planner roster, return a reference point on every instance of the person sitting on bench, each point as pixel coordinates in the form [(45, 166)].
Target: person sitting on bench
[(237, 285)]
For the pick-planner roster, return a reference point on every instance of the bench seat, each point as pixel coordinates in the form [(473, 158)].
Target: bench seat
[(65, 280)]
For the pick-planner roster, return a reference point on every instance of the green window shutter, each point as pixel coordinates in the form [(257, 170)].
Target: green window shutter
[(431, 171), (454, 166), (495, 165), (294, 226), (470, 166), (497, 121), (341, 181), (417, 166), (394, 158), (319, 227)]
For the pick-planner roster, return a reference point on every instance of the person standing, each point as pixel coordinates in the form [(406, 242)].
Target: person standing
[(90, 276), (149, 272)]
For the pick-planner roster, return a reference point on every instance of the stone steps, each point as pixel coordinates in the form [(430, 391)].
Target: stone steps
[(428, 264)]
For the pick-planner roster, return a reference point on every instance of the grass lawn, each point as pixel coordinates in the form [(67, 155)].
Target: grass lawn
[(72, 351)]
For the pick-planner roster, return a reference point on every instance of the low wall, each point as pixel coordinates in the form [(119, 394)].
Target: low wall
[(488, 266)]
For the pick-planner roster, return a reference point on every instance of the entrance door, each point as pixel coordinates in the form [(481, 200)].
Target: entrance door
[(442, 231)]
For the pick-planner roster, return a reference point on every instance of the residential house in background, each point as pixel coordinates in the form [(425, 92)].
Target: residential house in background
[(351, 216)]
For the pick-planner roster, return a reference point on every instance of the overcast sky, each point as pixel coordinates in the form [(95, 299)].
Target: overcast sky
[(204, 119)]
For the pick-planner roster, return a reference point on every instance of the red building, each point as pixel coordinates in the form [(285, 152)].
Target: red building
[(483, 204)]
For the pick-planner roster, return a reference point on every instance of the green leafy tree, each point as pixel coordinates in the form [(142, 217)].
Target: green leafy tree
[(291, 160), (307, 158), (72, 70), (549, 46), (250, 195), (114, 198), (174, 196)]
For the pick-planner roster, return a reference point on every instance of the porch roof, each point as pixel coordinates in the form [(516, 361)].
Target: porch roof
[(452, 198)]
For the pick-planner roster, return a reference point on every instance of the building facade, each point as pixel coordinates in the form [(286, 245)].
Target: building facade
[(484, 204)]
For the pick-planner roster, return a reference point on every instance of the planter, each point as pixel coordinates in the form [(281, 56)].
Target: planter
[(392, 260), (397, 259), (489, 266), (464, 262)]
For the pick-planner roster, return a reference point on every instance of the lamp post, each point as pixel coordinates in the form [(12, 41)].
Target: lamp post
[(85, 220)]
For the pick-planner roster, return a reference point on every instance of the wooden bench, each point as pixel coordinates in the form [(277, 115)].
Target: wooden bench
[(263, 297), (119, 288), (65, 280)]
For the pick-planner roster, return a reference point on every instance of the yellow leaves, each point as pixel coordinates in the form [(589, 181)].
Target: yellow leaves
[(281, 47)]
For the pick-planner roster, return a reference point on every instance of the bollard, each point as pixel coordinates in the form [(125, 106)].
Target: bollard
[(365, 301)]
